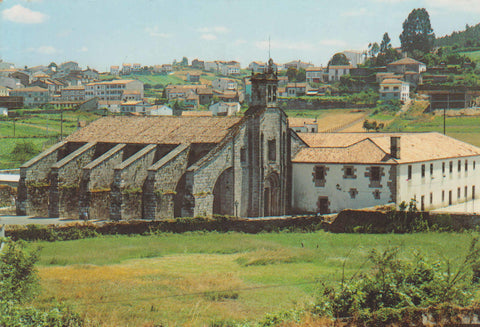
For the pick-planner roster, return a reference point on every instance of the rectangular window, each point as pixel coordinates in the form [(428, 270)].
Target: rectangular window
[(466, 165), (473, 192), (272, 150), (443, 196), (431, 169), (423, 171), (459, 165), (474, 165), (466, 192), (319, 173), (348, 172), (431, 198), (409, 172), (443, 168), (422, 203), (375, 173), (459, 193), (451, 167), (450, 198)]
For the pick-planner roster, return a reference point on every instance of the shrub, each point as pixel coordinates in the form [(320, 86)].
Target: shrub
[(384, 294)]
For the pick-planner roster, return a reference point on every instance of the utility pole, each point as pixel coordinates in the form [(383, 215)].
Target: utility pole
[(61, 123)]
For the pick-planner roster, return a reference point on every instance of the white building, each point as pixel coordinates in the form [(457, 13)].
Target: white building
[(394, 89), (224, 84), (315, 74), (114, 70), (229, 70), (160, 111), (112, 90), (355, 57), (337, 171), (135, 106), (224, 108), (337, 71)]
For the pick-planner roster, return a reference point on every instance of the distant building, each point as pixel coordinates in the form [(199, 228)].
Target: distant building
[(224, 108), (73, 93), (112, 90), (355, 57), (193, 77), (406, 65), (32, 96), (394, 89), (224, 84), (135, 107), (297, 64), (114, 70), (303, 125), (316, 74), (159, 111), (199, 64), (126, 69), (337, 71), (69, 66)]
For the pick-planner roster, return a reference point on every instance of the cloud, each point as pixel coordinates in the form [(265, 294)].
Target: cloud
[(455, 5), (155, 32), (209, 37), (20, 14), (44, 49), (333, 43), (214, 29), (356, 13)]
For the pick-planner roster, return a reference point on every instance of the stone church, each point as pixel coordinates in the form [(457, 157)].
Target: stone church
[(162, 167)]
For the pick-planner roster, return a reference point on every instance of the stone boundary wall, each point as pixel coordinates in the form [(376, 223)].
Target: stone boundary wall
[(7, 195), (315, 104)]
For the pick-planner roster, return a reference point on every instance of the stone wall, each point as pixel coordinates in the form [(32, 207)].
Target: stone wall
[(128, 182), (318, 104), (7, 195), (95, 184), (162, 180), (64, 179), (32, 196)]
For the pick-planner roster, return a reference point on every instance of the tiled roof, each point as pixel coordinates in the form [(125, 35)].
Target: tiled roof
[(405, 61), (340, 67), (314, 69), (189, 113), (74, 87), (31, 89), (156, 130), (392, 81), (414, 147)]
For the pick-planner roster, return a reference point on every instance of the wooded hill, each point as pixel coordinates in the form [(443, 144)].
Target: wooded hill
[(469, 38)]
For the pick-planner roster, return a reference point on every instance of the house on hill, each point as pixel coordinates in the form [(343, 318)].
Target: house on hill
[(161, 167)]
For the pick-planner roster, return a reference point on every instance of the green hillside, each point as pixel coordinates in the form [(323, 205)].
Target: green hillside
[(468, 38)]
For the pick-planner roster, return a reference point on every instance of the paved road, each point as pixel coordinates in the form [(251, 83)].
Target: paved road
[(25, 220)]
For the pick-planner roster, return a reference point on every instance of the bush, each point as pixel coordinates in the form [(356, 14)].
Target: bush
[(23, 151), (394, 287)]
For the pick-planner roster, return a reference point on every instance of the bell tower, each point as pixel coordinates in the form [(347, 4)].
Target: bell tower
[(264, 88)]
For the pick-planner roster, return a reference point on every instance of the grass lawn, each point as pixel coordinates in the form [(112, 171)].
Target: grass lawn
[(200, 278), (473, 55)]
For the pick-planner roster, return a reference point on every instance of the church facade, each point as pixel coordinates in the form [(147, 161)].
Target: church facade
[(164, 167)]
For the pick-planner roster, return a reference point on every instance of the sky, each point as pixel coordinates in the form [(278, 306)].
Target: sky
[(101, 33)]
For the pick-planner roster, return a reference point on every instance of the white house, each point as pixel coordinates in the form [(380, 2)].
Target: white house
[(337, 71), (135, 106), (224, 108), (315, 74), (303, 125), (336, 171), (112, 90), (160, 111), (391, 88), (114, 70), (224, 84), (355, 57)]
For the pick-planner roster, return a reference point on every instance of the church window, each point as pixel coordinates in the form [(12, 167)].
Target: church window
[(243, 155), (272, 150), (375, 173)]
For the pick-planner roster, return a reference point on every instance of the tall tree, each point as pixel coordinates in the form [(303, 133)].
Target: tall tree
[(385, 44), (417, 32), (373, 49), (339, 59)]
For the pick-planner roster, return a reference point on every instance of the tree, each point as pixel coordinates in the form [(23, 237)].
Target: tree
[(385, 44), (23, 151), (301, 75), (291, 74), (417, 32), (184, 61), (338, 59), (373, 49)]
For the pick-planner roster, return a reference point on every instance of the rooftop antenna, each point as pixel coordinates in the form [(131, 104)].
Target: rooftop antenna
[(269, 48)]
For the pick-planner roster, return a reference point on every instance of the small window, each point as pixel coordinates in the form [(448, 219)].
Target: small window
[(459, 165), (353, 193), (409, 172), (459, 194), (466, 165), (431, 169), (376, 194), (451, 167), (348, 172), (423, 171), (466, 192), (431, 198), (375, 173), (443, 168), (272, 150), (443, 195), (474, 165)]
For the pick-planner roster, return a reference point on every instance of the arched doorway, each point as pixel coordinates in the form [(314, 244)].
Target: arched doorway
[(223, 201), (271, 196), (180, 198)]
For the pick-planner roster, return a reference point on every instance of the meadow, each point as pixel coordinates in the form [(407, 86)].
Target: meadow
[(202, 279)]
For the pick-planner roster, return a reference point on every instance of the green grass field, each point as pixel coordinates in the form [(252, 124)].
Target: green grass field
[(198, 279), (473, 55)]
